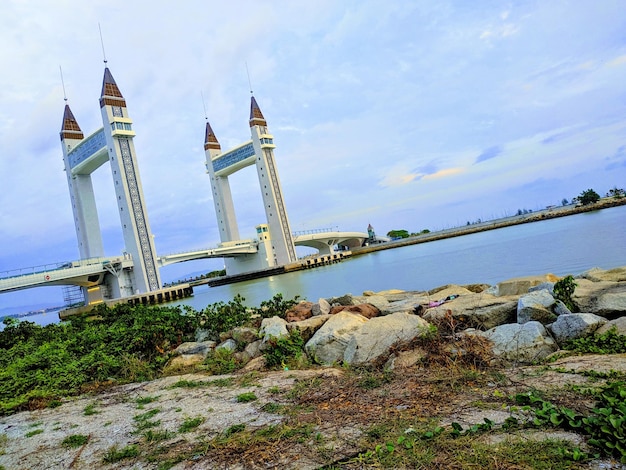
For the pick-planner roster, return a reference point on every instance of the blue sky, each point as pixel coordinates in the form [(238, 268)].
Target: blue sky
[(402, 114)]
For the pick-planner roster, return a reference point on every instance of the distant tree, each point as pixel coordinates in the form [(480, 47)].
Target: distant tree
[(398, 234), (564, 202), (588, 197), (425, 231), (616, 193)]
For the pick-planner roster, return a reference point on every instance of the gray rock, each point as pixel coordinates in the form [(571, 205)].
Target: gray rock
[(548, 286), (272, 327), (192, 347), (371, 342), (515, 343), (245, 334), (576, 325), (560, 308), (328, 344), (343, 300), (475, 310), (203, 335), (322, 307), (597, 274), (253, 349), (604, 298), (230, 344), (308, 327), (521, 285), (533, 306), (619, 324)]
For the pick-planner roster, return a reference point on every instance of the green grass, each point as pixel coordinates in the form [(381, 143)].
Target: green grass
[(115, 454), (190, 423), (34, 432), (246, 397), (75, 440)]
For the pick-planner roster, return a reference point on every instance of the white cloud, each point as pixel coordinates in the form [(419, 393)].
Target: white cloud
[(389, 104)]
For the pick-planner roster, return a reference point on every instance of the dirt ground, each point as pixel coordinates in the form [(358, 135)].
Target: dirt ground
[(330, 407)]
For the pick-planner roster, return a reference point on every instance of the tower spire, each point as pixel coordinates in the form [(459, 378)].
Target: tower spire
[(111, 94), (210, 141), (70, 128), (256, 116)]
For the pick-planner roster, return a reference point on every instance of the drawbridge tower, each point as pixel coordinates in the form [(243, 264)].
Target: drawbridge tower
[(276, 244), (82, 156)]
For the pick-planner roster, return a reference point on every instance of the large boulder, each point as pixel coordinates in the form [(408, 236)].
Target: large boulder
[(245, 334), (195, 347), (322, 307), (300, 311), (535, 305), (521, 285), (576, 325), (604, 298), (308, 327), (597, 274), (619, 324), (515, 343), (366, 310), (328, 344), (272, 327), (481, 311), (371, 342)]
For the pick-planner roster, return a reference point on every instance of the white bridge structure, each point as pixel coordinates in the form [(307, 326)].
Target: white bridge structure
[(137, 270)]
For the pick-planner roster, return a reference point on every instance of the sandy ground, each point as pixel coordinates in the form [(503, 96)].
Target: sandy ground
[(33, 440)]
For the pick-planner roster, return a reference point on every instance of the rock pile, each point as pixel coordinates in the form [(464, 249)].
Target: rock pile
[(520, 318)]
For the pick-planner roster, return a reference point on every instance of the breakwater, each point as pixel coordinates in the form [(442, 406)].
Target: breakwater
[(546, 214)]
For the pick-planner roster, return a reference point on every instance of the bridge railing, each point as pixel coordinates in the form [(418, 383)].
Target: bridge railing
[(315, 230), (43, 268)]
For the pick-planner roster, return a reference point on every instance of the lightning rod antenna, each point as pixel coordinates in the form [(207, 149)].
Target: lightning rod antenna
[(102, 44), (204, 106), (249, 82), (63, 84)]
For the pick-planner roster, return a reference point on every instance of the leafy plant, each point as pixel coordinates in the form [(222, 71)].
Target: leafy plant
[(588, 196), (222, 361), (285, 351), (276, 306), (609, 342), (563, 291)]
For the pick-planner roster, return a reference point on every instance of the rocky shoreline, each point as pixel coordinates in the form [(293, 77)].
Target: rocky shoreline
[(510, 326)]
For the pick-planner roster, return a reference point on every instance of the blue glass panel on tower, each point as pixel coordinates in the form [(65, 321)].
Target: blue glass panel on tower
[(233, 157), (87, 148)]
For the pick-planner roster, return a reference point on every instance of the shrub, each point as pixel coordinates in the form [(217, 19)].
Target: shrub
[(285, 351), (607, 343), (220, 317), (563, 291), (276, 306)]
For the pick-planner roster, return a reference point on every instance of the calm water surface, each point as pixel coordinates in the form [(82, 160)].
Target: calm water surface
[(566, 245)]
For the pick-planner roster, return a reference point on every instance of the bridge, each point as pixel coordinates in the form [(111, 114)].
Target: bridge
[(90, 273), (102, 278)]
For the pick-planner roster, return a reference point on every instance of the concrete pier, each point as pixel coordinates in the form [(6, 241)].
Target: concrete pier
[(167, 294)]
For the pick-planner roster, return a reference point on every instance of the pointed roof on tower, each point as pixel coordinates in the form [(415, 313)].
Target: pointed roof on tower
[(210, 141), (111, 94), (70, 128), (256, 116)]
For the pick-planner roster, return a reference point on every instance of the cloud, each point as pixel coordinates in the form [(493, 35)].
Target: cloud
[(489, 153), (445, 173)]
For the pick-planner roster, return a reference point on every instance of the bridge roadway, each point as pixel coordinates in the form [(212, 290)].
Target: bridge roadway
[(90, 272)]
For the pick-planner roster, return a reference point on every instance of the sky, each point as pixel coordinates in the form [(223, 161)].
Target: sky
[(401, 114)]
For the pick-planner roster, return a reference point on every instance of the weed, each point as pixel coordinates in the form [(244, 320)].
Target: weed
[(222, 361), (34, 432), (224, 382), (246, 397), (75, 440), (607, 343), (90, 410), (563, 291), (249, 379), (234, 429), (142, 421), (158, 435), (188, 384), (190, 423), (274, 390), (272, 407), (115, 454), (285, 351), (147, 399), (276, 306)]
